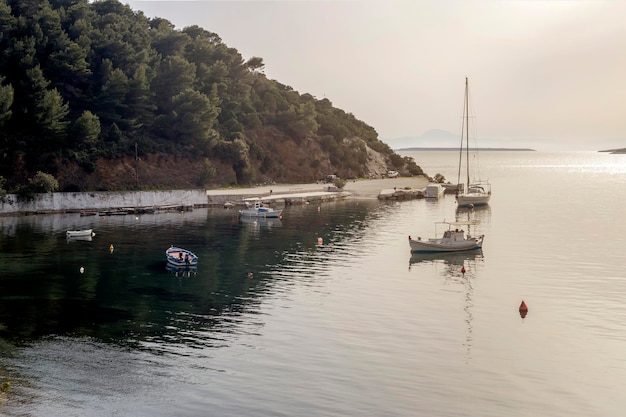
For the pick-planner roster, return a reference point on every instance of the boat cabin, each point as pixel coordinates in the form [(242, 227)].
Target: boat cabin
[(452, 235)]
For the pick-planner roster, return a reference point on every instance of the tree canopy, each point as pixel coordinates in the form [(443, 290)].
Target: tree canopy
[(81, 81)]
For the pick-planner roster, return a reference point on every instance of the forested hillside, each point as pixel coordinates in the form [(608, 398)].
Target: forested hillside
[(98, 96)]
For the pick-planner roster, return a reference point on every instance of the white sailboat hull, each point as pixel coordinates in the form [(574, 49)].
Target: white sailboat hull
[(465, 200)]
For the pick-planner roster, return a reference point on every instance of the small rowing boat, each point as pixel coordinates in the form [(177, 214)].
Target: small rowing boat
[(180, 257)]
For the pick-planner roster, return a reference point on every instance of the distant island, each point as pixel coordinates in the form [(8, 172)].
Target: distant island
[(441, 140), (623, 150), (456, 149)]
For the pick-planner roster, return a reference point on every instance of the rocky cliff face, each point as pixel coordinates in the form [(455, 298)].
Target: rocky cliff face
[(273, 157), (377, 164)]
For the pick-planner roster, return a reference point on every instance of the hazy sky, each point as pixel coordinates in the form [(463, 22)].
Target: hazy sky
[(543, 74)]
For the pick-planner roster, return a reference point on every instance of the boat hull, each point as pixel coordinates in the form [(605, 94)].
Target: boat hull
[(440, 245), (465, 200), (181, 257), (261, 212), (80, 233)]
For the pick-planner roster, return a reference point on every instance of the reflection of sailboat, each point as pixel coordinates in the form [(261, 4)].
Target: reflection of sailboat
[(479, 213), (476, 192)]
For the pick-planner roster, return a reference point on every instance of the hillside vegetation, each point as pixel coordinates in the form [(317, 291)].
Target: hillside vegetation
[(96, 96)]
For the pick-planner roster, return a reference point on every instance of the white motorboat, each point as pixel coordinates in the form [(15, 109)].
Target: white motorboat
[(79, 233), (181, 257), (433, 190), (453, 239), (477, 192), (255, 208)]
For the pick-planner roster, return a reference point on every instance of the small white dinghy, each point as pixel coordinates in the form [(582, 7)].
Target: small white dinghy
[(79, 233)]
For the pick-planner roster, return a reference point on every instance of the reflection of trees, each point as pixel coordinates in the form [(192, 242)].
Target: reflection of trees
[(128, 294)]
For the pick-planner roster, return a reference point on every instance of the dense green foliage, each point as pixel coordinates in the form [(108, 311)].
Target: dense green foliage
[(83, 81)]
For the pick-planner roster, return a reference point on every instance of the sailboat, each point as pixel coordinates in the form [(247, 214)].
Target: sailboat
[(476, 192)]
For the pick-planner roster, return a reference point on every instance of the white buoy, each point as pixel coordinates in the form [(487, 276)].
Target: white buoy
[(82, 269)]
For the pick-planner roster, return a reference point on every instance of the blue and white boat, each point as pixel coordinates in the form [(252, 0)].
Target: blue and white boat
[(180, 257)]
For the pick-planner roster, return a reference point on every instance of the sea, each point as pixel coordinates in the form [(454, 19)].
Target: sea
[(325, 312)]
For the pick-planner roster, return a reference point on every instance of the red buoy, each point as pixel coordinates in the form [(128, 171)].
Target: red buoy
[(523, 309)]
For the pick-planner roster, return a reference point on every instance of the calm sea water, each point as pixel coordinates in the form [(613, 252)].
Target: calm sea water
[(356, 326)]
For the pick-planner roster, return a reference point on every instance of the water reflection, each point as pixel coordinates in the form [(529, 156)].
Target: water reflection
[(87, 238), (255, 224), (460, 271), (182, 271), (481, 213), (451, 259), (120, 287)]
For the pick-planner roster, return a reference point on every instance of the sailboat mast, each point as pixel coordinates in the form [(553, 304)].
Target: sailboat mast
[(458, 177), (467, 131)]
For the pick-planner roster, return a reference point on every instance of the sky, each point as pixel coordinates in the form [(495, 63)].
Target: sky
[(543, 74)]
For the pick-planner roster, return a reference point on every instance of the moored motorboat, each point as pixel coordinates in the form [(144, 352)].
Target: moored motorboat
[(453, 240), (180, 257), (255, 208)]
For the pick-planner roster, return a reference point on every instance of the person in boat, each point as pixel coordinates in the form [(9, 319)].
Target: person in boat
[(180, 256), (187, 259)]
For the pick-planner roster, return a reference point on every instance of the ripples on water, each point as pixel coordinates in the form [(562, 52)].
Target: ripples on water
[(355, 325)]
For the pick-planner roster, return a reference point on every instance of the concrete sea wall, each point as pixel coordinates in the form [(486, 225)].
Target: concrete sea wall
[(103, 200)]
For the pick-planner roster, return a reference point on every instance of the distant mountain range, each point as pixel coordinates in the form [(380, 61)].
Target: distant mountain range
[(436, 140)]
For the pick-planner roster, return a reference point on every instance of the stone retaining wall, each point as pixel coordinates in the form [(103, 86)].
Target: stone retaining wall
[(102, 200)]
